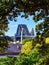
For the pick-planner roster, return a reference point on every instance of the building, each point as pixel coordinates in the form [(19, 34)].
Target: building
[(32, 32)]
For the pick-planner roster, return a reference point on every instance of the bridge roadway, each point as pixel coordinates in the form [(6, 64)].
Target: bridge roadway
[(26, 36)]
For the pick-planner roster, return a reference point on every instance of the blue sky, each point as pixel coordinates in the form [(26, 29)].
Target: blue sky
[(13, 25)]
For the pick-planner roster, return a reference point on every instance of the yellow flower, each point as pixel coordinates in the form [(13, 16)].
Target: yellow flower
[(38, 45), (26, 48), (47, 40)]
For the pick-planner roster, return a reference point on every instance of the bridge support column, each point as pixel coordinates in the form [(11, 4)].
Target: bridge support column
[(21, 35)]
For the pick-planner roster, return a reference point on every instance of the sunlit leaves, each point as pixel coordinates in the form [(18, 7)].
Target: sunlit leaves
[(26, 48), (43, 27), (25, 6), (24, 1), (47, 40)]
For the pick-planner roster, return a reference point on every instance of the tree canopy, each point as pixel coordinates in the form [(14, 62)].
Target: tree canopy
[(43, 28), (14, 7), (9, 9)]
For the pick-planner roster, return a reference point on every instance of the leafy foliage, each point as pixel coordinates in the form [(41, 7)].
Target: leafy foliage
[(12, 8), (35, 57), (27, 47), (43, 28), (39, 55), (9, 60), (4, 43), (26, 40)]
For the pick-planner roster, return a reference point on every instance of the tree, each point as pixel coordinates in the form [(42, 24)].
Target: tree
[(4, 40), (10, 9), (43, 28), (13, 8)]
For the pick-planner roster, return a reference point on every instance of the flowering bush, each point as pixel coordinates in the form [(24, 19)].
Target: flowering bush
[(27, 47)]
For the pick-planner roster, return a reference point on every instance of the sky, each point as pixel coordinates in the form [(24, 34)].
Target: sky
[(13, 25)]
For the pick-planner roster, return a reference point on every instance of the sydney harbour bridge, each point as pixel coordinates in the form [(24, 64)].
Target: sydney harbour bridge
[(23, 32)]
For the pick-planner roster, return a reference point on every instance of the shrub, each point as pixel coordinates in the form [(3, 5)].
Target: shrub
[(29, 59), (4, 42), (27, 47), (22, 59), (9, 60), (35, 57), (26, 40), (1, 49), (31, 54)]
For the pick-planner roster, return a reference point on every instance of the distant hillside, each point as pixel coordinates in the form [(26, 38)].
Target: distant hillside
[(12, 37)]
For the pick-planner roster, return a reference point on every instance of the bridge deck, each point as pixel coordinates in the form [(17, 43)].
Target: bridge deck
[(26, 36)]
